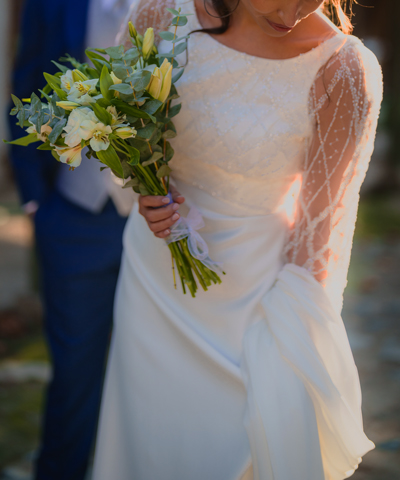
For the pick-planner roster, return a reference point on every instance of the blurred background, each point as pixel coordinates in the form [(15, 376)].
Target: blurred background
[(372, 299)]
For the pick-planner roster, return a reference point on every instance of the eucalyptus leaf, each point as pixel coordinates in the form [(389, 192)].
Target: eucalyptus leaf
[(179, 21), (180, 38), (57, 130), (180, 48), (147, 132), (178, 75), (143, 190), (163, 171), (120, 70), (151, 106), (173, 11), (115, 52), (39, 122), (133, 182), (131, 55), (169, 152), (122, 88), (153, 159), (169, 134), (174, 110), (17, 102), (168, 36)]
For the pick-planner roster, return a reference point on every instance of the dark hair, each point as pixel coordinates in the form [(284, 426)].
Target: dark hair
[(336, 10)]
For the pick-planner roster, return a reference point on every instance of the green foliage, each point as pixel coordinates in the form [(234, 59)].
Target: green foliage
[(179, 21), (55, 84), (178, 75), (163, 171), (105, 83), (154, 158), (116, 53), (57, 130), (147, 132), (110, 158), (169, 36), (131, 110), (122, 88), (174, 110), (102, 114), (24, 141)]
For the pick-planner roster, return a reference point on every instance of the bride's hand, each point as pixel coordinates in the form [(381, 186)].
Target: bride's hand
[(158, 219)]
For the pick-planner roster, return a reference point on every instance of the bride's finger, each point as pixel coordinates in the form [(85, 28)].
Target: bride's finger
[(158, 214), (153, 201), (176, 196), (159, 227)]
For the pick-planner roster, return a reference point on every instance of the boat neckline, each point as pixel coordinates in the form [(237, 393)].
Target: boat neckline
[(336, 36)]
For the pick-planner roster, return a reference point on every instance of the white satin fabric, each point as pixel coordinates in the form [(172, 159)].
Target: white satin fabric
[(255, 377)]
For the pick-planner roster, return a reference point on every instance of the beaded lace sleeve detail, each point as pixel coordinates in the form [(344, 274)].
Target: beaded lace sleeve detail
[(344, 105), (144, 14)]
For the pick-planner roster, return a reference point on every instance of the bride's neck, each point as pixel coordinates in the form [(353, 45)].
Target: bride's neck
[(245, 34)]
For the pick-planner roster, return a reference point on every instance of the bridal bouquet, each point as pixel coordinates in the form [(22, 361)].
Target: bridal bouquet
[(120, 111)]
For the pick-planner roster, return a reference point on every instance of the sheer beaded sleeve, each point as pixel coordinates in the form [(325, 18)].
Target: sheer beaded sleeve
[(344, 104), (144, 14), (303, 335)]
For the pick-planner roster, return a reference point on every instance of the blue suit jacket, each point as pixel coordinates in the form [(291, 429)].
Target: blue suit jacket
[(49, 29)]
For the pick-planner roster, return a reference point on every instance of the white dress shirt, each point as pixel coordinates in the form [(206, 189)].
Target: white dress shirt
[(87, 186)]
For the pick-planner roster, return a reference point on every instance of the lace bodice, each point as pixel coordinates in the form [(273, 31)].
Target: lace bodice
[(267, 135)]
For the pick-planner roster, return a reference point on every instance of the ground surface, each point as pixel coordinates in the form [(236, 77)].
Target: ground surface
[(371, 314)]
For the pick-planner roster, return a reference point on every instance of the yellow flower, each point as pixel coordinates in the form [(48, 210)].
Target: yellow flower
[(125, 132), (166, 72), (148, 42), (78, 76), (68, 105), (115, 79), (132, 30), (154, 87)]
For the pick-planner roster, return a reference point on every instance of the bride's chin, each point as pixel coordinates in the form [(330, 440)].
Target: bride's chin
[(266, 27)]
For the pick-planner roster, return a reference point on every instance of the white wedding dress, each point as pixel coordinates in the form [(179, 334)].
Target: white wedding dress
[(255, 377)]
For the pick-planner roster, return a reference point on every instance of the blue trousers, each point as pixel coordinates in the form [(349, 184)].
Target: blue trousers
[(80, 255)]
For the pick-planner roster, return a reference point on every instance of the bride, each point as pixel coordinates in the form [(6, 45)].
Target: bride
[(255, 378)]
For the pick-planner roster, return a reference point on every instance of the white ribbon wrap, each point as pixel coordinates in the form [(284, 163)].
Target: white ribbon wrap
[(187, 228)]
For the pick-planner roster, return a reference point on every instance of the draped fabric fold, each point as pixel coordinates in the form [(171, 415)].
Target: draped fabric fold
[(302, 344)]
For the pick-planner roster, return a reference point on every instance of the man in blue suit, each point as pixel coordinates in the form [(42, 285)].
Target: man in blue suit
[(78, 237)]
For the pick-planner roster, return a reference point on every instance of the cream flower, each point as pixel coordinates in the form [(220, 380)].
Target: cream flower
[(82, 92), (100, 140), (70, 156), (81, 123), (67, 80), (117, 119), (44, 132)]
